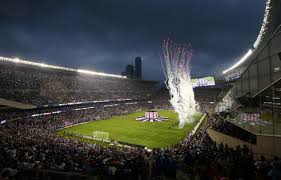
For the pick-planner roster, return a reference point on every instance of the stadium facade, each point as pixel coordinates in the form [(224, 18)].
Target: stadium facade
[(270, 25), (261, 66), (256, 89)]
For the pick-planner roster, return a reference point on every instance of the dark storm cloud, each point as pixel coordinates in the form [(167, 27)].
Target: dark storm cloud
[(105, 35)]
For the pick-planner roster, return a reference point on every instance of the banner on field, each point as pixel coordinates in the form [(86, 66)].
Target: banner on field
[(249, 117)]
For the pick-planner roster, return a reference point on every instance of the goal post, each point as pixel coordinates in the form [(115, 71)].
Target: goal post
[(100, 135)]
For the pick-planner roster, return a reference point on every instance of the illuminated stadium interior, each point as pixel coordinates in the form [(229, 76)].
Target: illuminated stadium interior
[(74, 123)]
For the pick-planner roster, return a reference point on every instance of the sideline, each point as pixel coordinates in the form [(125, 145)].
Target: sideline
[(198, 124), (75, 124)]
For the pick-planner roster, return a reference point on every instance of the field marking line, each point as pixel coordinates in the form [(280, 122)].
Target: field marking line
[(198, 124)]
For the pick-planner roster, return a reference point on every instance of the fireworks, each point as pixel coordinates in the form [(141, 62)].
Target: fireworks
[(176, 64)]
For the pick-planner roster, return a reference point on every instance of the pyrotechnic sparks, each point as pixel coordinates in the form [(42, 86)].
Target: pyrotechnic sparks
[(176, 64)]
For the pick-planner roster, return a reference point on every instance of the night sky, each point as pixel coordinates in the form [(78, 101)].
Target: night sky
[(105, 35)]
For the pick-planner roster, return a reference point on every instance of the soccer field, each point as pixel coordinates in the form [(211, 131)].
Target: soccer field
[(127, 129)]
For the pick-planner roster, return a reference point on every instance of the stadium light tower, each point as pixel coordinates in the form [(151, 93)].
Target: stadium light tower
[(243, 59), (17, 60), (271, 21)]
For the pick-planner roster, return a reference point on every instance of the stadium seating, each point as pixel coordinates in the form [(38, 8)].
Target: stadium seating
[(43, 86), (30, 144)]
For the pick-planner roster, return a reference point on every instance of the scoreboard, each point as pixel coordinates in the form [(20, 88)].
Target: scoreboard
[(205, 81)]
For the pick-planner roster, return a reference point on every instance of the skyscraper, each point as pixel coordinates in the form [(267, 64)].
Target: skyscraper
[(129, 71), (138, 68)]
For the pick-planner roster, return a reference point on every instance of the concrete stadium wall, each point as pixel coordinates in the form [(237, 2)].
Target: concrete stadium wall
[(219, 137), (268, 146)]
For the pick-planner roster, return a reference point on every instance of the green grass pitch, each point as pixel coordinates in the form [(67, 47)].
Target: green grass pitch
[(128, 130)]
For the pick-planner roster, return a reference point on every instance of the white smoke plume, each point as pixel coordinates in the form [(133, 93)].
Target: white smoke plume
[(177, 67)]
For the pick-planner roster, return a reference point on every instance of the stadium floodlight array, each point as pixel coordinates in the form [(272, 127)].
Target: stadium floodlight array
[(262, 32), (243, 59), (82, 71), (177, 68), (264, 24)]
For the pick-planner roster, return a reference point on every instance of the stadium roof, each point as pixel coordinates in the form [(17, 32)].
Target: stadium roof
[(271, 21), (83, 71)]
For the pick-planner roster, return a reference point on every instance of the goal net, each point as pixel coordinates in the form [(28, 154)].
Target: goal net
[(100, 135)]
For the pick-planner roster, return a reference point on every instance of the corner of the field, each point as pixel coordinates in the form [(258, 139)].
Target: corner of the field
[(198, 124)]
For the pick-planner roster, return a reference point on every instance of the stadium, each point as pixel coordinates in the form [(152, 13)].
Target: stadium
[(65, 123)]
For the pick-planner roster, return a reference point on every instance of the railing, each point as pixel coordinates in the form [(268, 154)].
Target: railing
[(260, 127)]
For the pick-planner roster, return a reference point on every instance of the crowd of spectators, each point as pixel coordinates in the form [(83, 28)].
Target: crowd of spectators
[(14, 114), (31, 142), (230, 129), (41, 86)]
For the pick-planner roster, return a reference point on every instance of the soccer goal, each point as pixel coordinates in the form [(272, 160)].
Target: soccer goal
[(100, 135)]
